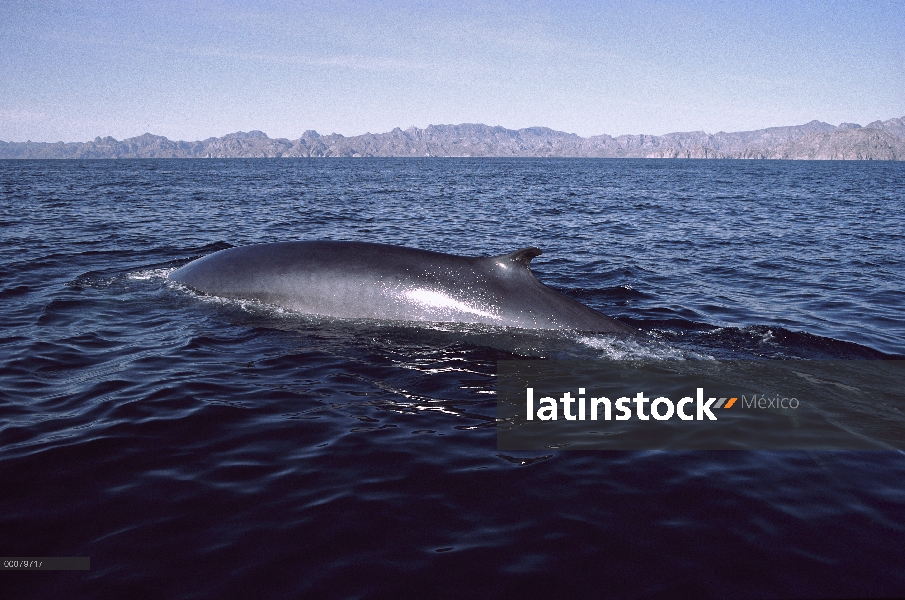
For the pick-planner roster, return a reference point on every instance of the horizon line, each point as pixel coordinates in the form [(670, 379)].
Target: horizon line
[(415, 127)]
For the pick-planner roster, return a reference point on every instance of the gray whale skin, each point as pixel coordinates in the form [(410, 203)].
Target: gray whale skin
[(360, 280)]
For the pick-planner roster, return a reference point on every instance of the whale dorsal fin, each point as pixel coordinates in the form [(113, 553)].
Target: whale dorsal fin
[(523, 256)]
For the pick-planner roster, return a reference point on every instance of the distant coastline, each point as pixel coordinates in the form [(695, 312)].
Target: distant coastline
[(879, 140)]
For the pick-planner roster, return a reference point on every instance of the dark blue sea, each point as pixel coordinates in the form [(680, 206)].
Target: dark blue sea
[(196, 447)]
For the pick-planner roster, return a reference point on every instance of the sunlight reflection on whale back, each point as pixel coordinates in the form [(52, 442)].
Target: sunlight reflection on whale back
[(444, 303)]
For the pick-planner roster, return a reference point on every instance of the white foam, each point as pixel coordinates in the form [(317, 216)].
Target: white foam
[(148, 274), (634, 348)]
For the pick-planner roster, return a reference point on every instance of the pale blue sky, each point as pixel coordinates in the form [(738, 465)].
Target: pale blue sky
[(190, 70)]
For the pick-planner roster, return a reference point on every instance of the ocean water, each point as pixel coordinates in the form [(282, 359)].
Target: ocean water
[(198, 447)]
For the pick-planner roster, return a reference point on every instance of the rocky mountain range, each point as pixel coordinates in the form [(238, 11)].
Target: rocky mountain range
[(880, 140)]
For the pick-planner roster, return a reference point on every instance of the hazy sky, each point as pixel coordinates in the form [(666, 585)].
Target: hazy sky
[(191, 70)]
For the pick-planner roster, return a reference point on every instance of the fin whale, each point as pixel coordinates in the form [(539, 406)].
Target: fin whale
[(361, 280)]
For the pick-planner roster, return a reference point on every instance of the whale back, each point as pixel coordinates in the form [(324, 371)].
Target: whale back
[(360, 280)]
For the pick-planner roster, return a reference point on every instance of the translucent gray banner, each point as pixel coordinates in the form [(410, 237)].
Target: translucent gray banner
[(701, 405)]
